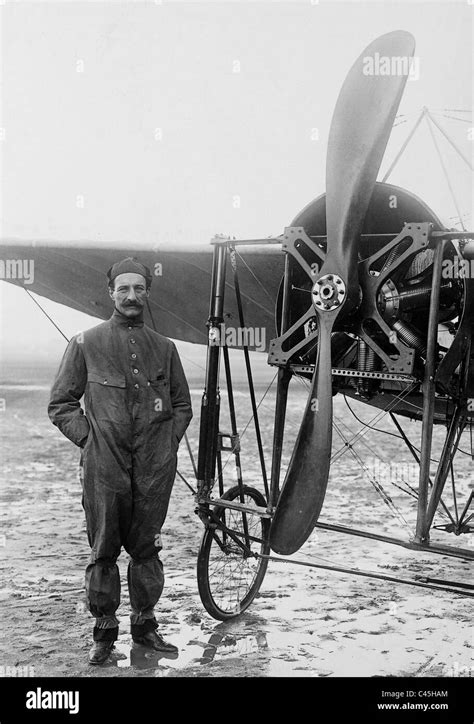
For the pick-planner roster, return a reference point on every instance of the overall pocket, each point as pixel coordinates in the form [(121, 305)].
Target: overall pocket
[(159, 399), (107, 396)]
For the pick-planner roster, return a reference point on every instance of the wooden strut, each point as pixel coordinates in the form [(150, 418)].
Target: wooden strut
[(232, 505), (284, 377), (422, 528), (422, 583)]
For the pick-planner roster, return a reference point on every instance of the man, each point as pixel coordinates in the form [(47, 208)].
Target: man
[(137, 407)]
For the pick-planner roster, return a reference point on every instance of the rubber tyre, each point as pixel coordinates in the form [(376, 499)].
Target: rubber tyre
[(228, 590)]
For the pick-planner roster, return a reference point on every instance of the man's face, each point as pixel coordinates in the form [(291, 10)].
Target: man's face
[(129, 294)]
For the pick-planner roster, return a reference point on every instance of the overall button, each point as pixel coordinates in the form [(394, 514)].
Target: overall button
[(134, 356), (136, 385), (132, 341), (135, 371)]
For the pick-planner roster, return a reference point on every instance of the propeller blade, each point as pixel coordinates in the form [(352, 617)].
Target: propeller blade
[(360, 129), (300, 504), (361, 125)]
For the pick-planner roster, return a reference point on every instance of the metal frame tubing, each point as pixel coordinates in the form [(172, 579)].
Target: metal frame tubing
[(210, 404), (422, 527), (284, 376)]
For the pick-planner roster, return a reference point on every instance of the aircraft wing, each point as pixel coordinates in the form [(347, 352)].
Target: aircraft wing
[(74, 274)]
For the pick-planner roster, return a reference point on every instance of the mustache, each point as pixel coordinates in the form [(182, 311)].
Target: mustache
[(133, 304)]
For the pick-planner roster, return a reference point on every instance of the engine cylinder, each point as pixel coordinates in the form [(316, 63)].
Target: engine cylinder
[(410, 336), (367, 361), (419, 296)]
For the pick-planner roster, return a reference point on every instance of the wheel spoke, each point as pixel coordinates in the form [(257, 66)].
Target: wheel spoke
[(229, 577)]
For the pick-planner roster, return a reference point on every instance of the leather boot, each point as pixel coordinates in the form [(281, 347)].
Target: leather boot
[(100, 651), (154, 640)]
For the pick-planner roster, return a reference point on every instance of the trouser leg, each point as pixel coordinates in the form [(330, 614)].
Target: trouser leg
[(145, 584), (103, 595), (107, 501), (152, 486)]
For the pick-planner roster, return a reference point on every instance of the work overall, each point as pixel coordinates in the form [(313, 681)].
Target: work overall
[(137, 407)]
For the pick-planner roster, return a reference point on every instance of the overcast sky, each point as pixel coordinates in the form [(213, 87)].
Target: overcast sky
[(143, 121)]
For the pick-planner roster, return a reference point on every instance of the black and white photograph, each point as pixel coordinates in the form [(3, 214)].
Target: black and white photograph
[(237, 349)]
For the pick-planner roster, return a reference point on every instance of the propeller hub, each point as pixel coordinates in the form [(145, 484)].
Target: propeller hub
[(329, 292)]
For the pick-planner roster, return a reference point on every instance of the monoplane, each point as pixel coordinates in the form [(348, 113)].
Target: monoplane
[(361, 297)]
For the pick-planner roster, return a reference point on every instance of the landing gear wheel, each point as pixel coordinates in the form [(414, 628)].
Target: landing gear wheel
[(229, 577)]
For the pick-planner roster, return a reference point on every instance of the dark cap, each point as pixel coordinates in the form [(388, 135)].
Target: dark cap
[(127, 266)]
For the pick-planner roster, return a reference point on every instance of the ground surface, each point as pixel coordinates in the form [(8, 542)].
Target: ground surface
[(305, 622)]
